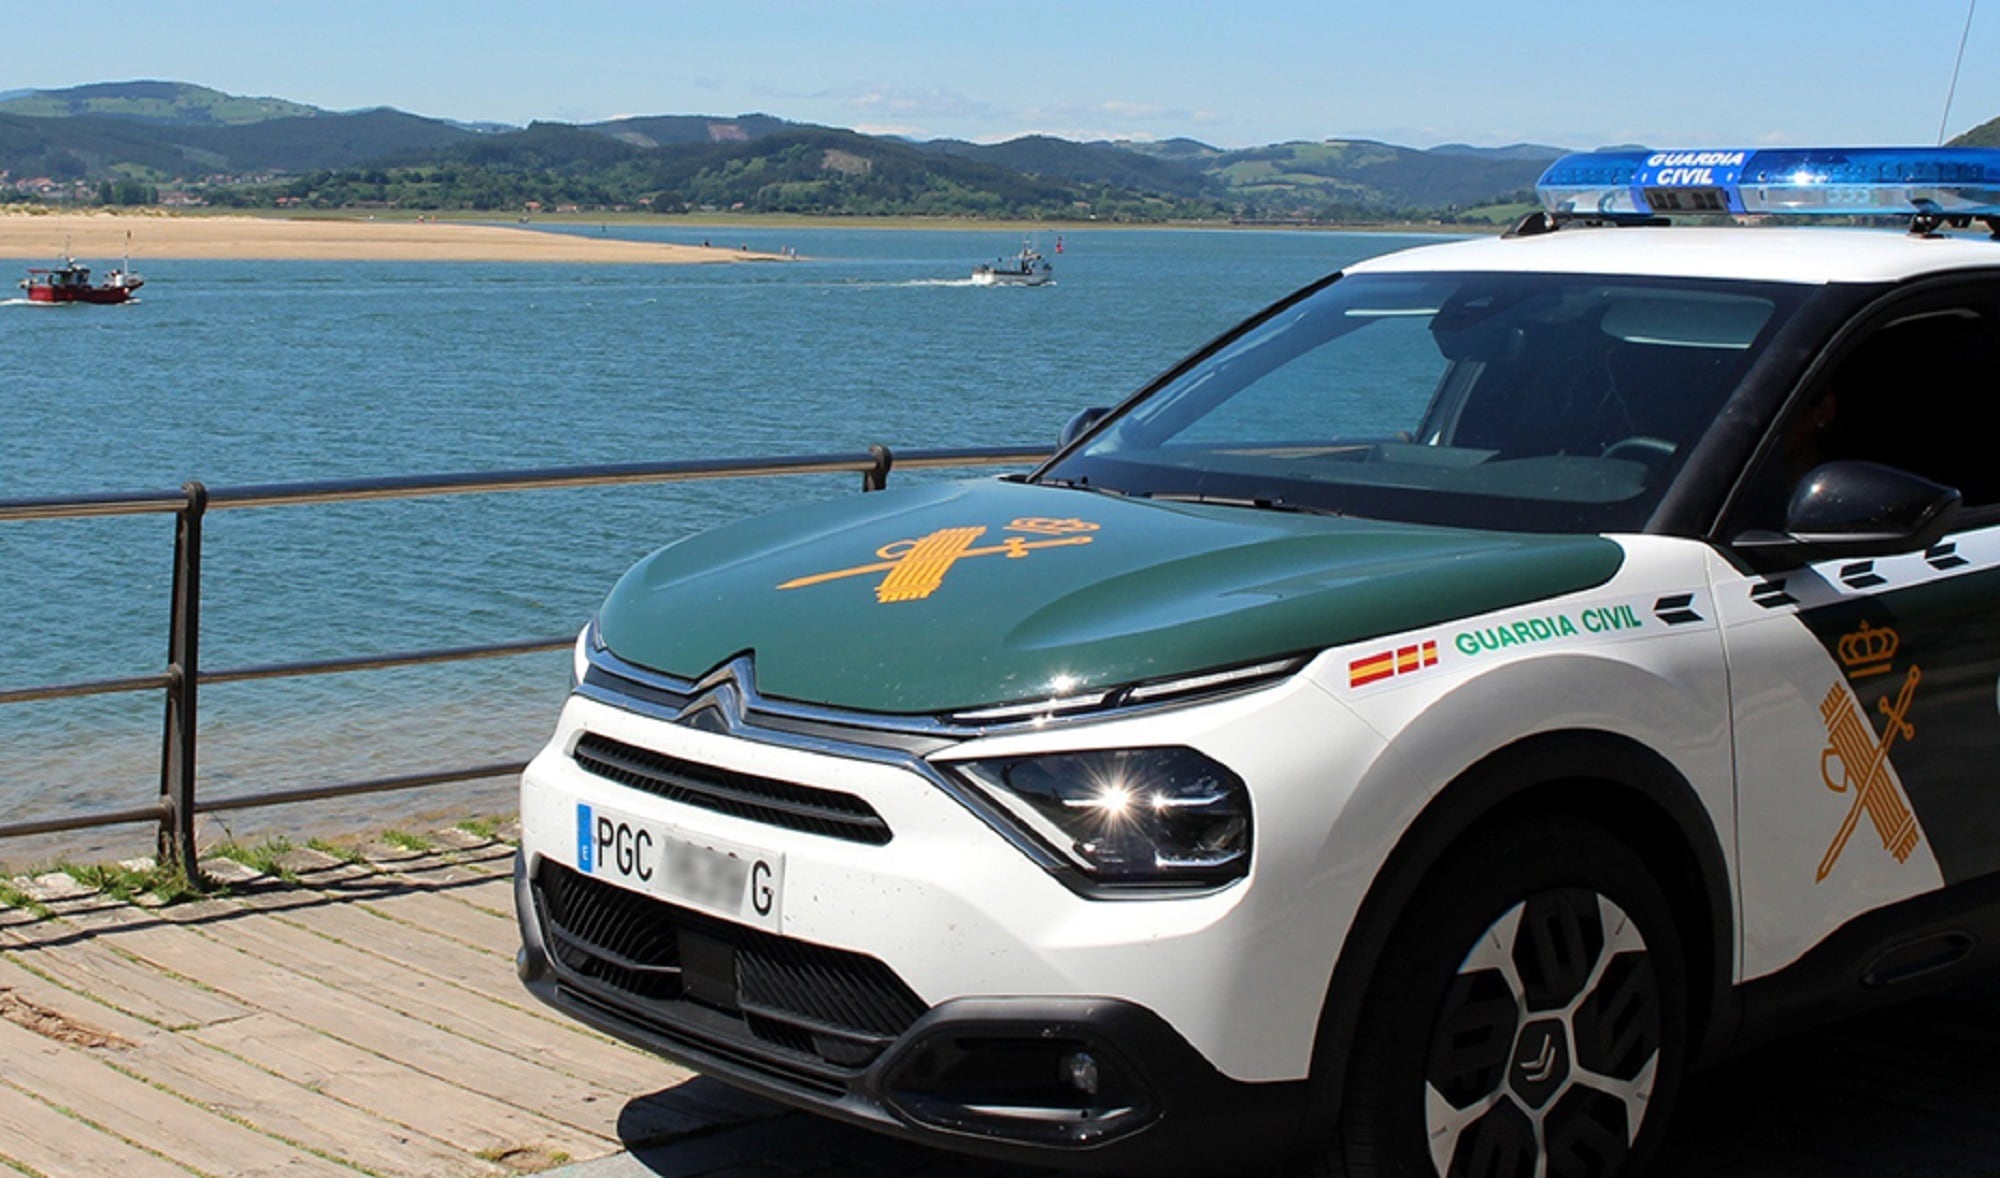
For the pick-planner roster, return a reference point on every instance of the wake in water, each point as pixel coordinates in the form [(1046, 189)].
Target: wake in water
[(37, 303), (892, 284), (908, 283)]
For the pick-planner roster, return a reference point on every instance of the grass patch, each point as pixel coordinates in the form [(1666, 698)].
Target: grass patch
[(263, 858), (403, 839), (165, 882), (483, 828), (346, 853), (525, 1159), (14, 897)]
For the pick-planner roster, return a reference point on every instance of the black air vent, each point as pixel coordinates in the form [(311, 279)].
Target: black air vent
[(775, 998), (740, 795)]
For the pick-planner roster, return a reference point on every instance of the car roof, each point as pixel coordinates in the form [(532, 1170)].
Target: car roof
[(1809, 256)]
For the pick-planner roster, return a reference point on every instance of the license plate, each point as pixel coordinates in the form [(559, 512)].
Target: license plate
[(728, 879)]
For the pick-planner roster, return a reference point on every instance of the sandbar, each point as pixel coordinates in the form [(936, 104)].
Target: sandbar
[(100, 240)]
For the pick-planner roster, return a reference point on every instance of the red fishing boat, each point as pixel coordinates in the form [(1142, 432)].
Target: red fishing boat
[(70, 283)]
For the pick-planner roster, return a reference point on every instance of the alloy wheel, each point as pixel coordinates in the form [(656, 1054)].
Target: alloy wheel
[(1543, 1056)]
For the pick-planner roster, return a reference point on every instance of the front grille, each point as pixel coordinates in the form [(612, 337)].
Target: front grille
[(794, 1004), (740, 795)]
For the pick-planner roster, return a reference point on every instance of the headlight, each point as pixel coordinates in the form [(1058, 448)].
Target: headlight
[(579, 653), (1160, 816)]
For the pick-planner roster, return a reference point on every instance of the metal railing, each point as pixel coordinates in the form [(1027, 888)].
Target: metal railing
[(183, 677)]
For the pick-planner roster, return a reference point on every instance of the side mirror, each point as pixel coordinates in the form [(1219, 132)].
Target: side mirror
[(1080, 425), (1851, 508)]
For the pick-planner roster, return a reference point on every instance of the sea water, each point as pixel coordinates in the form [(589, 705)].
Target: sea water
[(255, 372)]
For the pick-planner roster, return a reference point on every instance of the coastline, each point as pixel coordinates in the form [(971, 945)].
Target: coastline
[(99, 239)]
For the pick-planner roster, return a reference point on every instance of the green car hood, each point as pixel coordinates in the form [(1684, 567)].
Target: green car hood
[(936, 598)]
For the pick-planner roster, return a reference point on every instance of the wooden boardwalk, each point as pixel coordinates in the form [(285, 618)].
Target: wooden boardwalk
[(362, 1017)]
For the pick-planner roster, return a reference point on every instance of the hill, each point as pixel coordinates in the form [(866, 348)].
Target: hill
[(231, 150), (666, 130), (1359, 177), (799, 169), (1537, 152), (1085, 163), (97, 146), (173, 103), (1986, 134)]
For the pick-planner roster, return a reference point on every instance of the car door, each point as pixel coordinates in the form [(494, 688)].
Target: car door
[(1863, 687)]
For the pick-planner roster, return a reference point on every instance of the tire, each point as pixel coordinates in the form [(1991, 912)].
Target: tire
[(1527, 1019)]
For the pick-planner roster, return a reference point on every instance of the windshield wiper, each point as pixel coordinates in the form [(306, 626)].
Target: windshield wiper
[(1080, 485), (1237, 501)]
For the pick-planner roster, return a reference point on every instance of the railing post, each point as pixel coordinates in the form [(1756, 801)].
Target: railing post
[(876, 477), (177, 745)]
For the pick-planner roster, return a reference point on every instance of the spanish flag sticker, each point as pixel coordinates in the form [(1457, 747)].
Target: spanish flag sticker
[(1390, 663)]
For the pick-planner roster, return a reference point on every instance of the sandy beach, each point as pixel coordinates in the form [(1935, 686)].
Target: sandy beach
[(100, 239)]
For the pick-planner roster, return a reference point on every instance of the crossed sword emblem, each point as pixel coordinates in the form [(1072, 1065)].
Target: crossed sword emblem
[(1864, 765), (917, 567)]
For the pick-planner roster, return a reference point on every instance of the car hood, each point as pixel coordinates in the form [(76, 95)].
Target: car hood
[(936, 598)]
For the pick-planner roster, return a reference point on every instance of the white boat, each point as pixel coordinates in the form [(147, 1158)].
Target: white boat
[(1027, 268)]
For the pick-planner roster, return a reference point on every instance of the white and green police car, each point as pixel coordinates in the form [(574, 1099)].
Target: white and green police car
[(1407, 736)]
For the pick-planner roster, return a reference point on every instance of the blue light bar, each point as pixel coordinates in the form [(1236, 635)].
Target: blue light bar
[(1848, 181)]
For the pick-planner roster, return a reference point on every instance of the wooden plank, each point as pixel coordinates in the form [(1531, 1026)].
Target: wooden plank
[(446, 917), (36, 1136), (469, 1121), (216, 1080), (477, 970), (70, 1078), (445, 873), (91, 968), (443, 862), (298, 996), (548, 1040), (495, 895)]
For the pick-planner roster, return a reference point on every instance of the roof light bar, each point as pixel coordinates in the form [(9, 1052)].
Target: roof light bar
[(1847, 181)]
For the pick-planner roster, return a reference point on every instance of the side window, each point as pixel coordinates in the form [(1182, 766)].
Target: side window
[(1910, 395)]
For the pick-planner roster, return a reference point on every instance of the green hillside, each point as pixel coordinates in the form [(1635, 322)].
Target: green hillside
[(801, 170), (96, 146), (667, 130), (204, 145), (89, 147), (1086, 163), (1986, 134), (1358, 177), (175, 103)]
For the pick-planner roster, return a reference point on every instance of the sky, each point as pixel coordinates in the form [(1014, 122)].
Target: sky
[(1418, 73)]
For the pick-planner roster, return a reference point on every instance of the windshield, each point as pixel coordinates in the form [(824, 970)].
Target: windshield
[(1538, 402)]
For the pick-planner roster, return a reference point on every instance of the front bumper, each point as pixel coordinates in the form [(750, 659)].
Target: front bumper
[(1087, 1083)]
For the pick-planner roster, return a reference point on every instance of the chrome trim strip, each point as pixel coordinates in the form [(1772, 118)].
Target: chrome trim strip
[(737, 676), (731, 694)]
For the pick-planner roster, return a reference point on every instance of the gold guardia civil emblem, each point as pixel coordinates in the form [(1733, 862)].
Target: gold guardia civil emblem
[(1861, 756), (917, 567)]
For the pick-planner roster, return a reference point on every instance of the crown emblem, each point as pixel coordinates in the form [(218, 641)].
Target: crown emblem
[(1042, 526), (1868, 651)]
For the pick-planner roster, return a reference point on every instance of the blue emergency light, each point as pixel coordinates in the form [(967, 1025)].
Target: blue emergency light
[(1934, 183)]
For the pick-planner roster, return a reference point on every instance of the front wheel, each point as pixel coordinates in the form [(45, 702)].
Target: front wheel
[(1527, 1019)]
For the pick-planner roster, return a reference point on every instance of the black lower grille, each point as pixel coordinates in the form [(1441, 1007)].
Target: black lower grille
[(740, 795), (685, 971)]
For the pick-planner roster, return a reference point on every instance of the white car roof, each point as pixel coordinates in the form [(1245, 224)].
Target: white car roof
[(1812, 256)]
